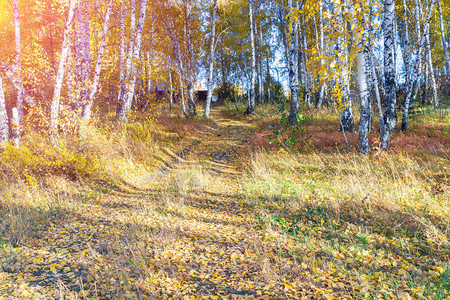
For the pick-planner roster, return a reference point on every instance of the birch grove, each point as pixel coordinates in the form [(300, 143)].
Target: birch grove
[(364, 62)]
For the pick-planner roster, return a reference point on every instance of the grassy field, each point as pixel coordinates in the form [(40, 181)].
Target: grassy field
[(169, 207)]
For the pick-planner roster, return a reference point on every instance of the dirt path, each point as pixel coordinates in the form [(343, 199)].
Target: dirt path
[(136, 244), (220, 145)]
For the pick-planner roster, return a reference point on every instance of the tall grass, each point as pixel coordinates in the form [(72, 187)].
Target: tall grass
[(352, 210)]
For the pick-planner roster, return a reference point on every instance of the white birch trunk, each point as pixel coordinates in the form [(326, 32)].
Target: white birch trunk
[(15, 123), (292, 54), (70, 77), (307, 83), (431, 77), (415, 68), (98, 67), (149, 57), (170, 86), (190, 62), (377, 96), (322, 60), (347, 113), (258, 59), (82, 53), (444, 40), (390, 80), (405, 40), (260, 63), (183, 98), (120, 112), (363, 50), (122, 50), (251, 100), (18, 77), (132, 33), (131, 82), (4, 123), (211, 60), (54, 108)]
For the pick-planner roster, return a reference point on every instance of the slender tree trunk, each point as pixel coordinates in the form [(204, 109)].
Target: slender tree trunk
[(54, 108), (347, 113), (82, 53), (133, 56), (170, 87), (15, 123), (211, 59), (131, 82), (19, 84), (18, 110), (251, 99), (124, 84), (4, 123), (70, 77), (363, 76), (98, 67), (377, 96), (268, 81), (444, 41), (415, 68), (405, 40), (150, 57), (322, 60), (307, 82), (190, 63), (431, 69), (122, 50), (390, 82), (183, 98), (426, 83), (292, 55), (260, 64)]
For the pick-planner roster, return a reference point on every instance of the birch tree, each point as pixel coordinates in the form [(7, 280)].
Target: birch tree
[(187, 6), (304, 49), (174, 39), (211, 59), (260, 63), (251, 98), (134, 55), (415, 68), (126, 60), (4, 127), (444, 40), (87, 110), (390, 78), (122, 51), (292, 59), (405, 39), (321, 53), (54, 108), (18, 63), (82, 53), (363, 75), (429, 60), (347, 122)]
